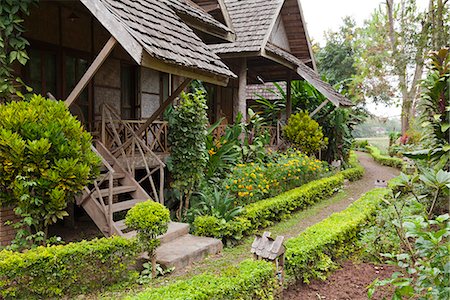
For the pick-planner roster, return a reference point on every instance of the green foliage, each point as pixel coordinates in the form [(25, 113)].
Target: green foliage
[(383, 159), (12, 45), (361, 145), (354, 171), (315, 251), (305, 133), (45, 158), (435, 112), (427, 267), (187, 137), (266, 212), (250, 280), (66, 270), (218, 204), (149, 219), (284, 171)]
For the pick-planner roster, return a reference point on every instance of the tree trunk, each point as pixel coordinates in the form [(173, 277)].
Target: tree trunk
[(406, 114)]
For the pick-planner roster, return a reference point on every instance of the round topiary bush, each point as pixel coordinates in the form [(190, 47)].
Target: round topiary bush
[(149, 219), (305, 133), (45, 158)]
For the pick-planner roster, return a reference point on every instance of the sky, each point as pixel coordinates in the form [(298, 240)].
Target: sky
[(324, 15)]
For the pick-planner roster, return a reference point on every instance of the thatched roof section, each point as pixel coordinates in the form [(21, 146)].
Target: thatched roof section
[(251, 21), (265, 90), (311, 76), (156, 37)]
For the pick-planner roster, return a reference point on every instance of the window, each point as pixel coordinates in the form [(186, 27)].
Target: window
[(41, 72), (128, 99), (74, 68)]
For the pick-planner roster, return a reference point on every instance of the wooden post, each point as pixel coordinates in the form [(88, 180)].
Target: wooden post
[(240, 104), (159, 111), (93, 68), (288, 97), (318, 108)]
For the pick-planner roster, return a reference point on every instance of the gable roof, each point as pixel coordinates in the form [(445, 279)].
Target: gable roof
[(311, 76), (156, 37), (251, 20)]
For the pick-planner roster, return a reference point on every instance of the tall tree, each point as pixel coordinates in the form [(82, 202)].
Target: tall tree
[(394, 44)]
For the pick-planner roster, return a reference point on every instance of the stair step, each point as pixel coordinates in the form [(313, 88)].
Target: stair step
[(116, 191), (174, 230), (185, 250), (124, 205)]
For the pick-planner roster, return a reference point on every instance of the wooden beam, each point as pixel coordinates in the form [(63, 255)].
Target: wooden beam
[(288, 97), (93, 68), (159, 111), (240, 104), (319, 108)]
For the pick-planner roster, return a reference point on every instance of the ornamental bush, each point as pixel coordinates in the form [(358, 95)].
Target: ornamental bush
[(45, 158), (250, 280), (149, 219), (305, 133), (56, 271), (187, 138)]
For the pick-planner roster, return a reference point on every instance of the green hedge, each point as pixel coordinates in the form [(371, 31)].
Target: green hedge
[(250, 280), (66, 269), (356, 171), (384, 159), (266, 212), (314, 252)]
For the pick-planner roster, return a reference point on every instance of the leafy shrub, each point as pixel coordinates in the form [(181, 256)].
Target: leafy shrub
[(218, 204), (45, 158), (264, 213), (250, 280), (360, 145), (256, 181), (314, 252), (187, 138), (383, 159), (305, 133), (149, 219), (65, 270), (428, 260)]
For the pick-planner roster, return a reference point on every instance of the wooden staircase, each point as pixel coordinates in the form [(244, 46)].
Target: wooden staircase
[(111, 195)]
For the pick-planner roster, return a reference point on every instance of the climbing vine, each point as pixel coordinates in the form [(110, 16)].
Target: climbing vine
[(12, 45)]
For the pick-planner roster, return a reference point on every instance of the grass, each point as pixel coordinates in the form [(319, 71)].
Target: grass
[(288, 228), (381, 143)]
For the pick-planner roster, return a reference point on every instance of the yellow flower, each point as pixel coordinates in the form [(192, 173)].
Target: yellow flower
[(235, 181), (251, 194), (227, 187), (267, 186), (211, 152)]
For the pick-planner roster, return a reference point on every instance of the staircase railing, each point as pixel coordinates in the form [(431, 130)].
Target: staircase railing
[(104, 203), (115, 132)]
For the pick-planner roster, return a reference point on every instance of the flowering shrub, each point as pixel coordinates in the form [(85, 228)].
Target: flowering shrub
[(256, 181)]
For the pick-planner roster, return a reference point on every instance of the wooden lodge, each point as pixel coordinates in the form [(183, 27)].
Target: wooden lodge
[(118, 64)]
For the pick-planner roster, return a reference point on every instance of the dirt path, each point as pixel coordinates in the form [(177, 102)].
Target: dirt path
[(351, 281)]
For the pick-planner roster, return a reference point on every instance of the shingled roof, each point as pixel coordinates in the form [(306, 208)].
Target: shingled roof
[(155, 36), (311, 76), (251, 21)]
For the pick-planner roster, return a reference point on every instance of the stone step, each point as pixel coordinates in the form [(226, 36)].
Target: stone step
[(174, 230), (185, 250)]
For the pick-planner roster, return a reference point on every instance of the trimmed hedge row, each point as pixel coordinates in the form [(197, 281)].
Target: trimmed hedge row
[(313, 253), (356, 171), (250, 280), (266, 212), (66, 269), (384, 159)]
